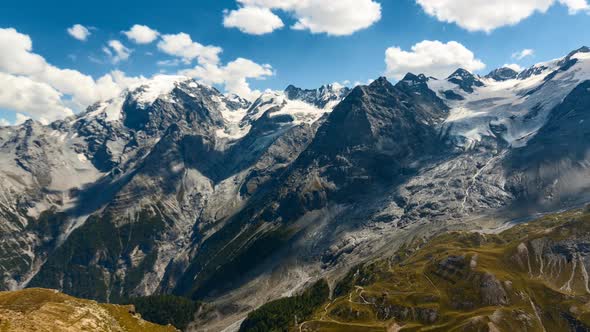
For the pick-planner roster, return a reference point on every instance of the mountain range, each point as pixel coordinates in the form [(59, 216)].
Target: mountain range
[(176, 188)]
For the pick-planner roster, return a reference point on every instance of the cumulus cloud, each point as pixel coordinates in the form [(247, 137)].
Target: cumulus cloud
[(56, 92), (4, 122), (141, 34), (22, 94), (253, 20), (432, 58), (168, 63), (79, 32), (181, 45), (337, 18), (485, 15), (234, 76), (34, 88), (523, 54), (575, 6), (116, 51), (17, 58)]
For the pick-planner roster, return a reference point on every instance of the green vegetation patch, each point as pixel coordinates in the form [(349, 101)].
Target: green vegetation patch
[(283, 314), (83, 265), (165, 309), (529, 277)]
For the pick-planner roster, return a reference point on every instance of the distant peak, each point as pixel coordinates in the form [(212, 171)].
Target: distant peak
[(29, 123), (502, 74), (583, 49), (321, 97), (291, 87), (465, 80), (415, 78), (236, 102), (332, 87), (461, 73), (381, 81), (146, 92)]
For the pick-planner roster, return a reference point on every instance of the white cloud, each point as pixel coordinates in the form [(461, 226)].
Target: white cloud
[(253, 20), (523, 54), (141, 34), (338, 18), (22, 94), (486, 15), (168, 63), (116, 51), (432, 58), (17, 58), (575, 6), (4, 122), (32, 87), (233, 76), (55, 91), (79, 32), (182, 46), (514, 66), (279, 4)]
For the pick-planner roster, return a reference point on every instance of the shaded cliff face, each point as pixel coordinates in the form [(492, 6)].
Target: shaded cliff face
[(375, 138), (48, 310), (553, 165), (532, 277), (378, 136)]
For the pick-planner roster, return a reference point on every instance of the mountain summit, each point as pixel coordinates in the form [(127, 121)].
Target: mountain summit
[(502, 74)]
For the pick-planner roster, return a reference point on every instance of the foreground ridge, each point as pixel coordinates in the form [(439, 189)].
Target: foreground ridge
[(48, 310)]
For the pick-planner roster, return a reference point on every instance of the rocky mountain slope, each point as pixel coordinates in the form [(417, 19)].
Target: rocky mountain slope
[(175, 188), (532, 277), (47, 310)]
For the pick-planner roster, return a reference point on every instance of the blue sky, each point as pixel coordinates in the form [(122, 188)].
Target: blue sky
[(305, 58)]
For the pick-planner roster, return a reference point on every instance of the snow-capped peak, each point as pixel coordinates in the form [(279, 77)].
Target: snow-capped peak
[(236, 102), (301, 105), (465, 80), (143, 94), (461, 74), (513, 109), (146, 93), (325, 97)]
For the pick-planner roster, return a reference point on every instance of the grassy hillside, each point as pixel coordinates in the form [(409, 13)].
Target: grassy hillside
[(44, 310), (533, 277)]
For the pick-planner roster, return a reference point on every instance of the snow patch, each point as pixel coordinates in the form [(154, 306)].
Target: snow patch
[(146, 93), (301, 112), (82, 158), (514, 109)]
